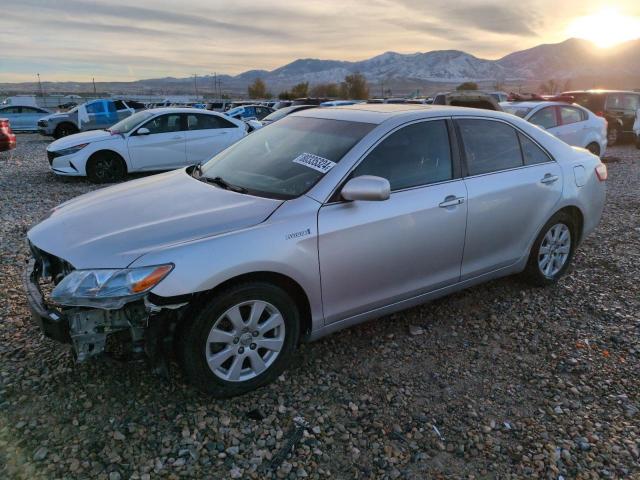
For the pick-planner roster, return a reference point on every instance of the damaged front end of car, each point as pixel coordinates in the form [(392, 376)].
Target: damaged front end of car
[(89, 308)]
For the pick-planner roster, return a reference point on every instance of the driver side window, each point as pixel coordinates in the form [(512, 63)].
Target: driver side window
[(164, 124), (418, 154)]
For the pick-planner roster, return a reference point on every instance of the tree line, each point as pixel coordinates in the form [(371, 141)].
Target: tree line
[(354, 87)]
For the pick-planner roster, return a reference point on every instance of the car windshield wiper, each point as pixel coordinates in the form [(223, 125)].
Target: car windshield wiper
[(223, 184)]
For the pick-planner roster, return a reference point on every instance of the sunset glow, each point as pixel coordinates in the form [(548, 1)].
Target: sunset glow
[(605, 28)]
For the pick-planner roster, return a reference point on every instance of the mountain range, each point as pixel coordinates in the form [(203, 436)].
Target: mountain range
[(574, 60)]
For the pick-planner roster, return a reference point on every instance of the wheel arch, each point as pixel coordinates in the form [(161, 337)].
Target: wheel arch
[(288, 284), (576, 214), (109, 150)]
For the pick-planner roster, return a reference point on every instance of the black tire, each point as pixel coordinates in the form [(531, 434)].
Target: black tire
[(533, 272), (106, 167), (64, 129), (614, 135), (594, 148), (193, 346)]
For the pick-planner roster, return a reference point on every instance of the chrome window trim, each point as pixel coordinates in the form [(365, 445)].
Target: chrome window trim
[(518, 130)]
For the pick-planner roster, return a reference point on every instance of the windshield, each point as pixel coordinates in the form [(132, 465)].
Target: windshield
[(515, 110), (235, 111), (288, 158), (129, 123)]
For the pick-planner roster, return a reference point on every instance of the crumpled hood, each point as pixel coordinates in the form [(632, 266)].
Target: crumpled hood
[(56, 115), (79, 138), (111, 227)]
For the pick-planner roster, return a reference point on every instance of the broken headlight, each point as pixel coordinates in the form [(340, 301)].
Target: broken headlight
[(106, 288)]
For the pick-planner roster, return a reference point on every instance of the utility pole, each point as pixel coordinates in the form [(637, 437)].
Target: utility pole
[(94, 85), (381, 88), (195, 83), (40, 86)]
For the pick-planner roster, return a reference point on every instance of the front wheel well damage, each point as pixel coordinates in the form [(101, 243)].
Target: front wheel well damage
[(290, 286)]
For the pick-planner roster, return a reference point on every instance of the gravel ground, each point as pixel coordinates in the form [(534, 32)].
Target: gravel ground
[(499, 381)]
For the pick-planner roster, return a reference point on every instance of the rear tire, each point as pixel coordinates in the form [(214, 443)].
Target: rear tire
[(594, 148), (613, 136), (225, 350), (106, 167), (553, 250), (64, 129)]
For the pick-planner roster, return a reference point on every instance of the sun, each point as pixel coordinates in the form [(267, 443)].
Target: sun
[(605, 28)]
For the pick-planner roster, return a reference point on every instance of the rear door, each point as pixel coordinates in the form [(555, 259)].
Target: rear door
[(29, 117), (163, 148), (207, 135), (572, 128), (373, 254), (512, 187)]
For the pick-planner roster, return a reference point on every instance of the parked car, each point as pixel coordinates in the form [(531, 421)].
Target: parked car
[(7, 137), (282, 104), (23, 118), (100, 114), (283, 112), (327, 218), (158, 139), (571, 123), (468, 98), (249, 112), (340, 103), (618, 107)]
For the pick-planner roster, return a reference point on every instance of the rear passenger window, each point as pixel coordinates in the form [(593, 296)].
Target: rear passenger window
[(207, 122), (571, 115), (545, 118), (415, 155), (531, 152), (489, 146)]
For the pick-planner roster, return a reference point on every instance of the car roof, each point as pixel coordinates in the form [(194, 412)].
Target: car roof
[(378, 113), (180, 110), (599, 91), (535, 104)]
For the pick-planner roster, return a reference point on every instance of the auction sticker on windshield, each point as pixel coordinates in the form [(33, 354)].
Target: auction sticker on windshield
[(310, 160)]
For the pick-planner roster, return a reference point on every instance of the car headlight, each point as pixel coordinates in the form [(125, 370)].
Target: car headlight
[(70, 150), (106, 288)]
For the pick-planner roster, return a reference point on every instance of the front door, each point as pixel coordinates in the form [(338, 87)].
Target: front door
[(163, 148), (374, 254)]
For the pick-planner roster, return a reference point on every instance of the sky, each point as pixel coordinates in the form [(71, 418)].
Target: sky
[(117, 40)]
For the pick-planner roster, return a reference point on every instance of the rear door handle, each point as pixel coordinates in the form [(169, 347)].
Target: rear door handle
[(548, 178), (451, 201)]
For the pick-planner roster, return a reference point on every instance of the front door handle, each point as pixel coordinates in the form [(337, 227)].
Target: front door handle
[(548, 178), (451, 201)]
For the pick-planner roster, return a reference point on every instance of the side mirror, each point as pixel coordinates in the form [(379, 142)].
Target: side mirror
[(366, 187), (143, 131)]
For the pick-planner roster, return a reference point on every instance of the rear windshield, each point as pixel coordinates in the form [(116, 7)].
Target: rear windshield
[(516, 110), (288, 158)]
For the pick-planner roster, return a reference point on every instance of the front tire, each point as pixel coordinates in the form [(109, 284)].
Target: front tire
[(64, 129), (240, 340), (553, 250), (106, 167), (613, 136)]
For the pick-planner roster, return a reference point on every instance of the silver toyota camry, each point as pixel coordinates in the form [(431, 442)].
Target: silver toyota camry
[(325, 219)]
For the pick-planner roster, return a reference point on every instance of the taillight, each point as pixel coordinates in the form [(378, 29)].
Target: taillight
[(600, 113), (601, 172)]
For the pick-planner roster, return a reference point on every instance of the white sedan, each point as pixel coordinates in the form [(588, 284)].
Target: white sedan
[(158, 139), (571, 123)]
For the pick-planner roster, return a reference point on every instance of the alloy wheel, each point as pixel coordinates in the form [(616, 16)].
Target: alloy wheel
[(554, 250), (245, 340)]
